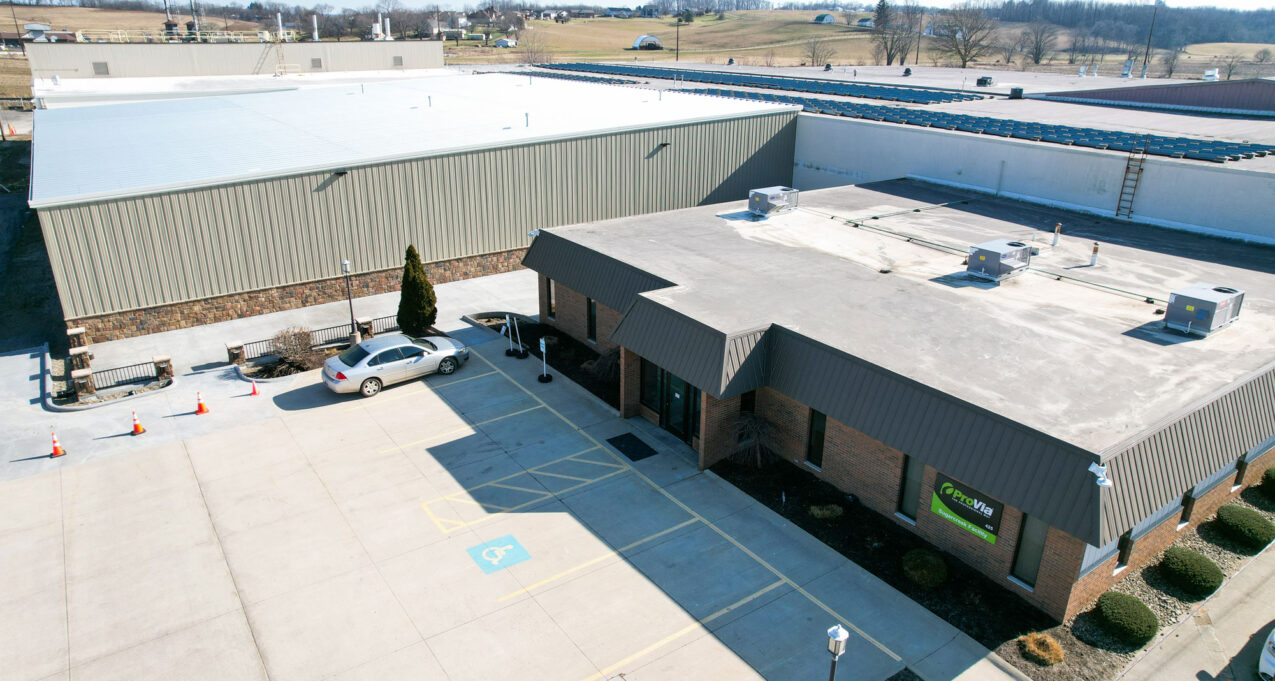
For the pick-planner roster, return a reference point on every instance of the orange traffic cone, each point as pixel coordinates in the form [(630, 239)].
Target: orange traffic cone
[(137, 425), (200, 407), (12, 131), (254, 392), (57, 448)]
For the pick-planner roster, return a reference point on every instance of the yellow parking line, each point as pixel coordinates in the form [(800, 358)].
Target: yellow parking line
[(597, 560), (366, 404), (517, 488), (512, 475), (457, 430), (548, 495), (562, 475), (477, 503), (722, 533), (684, 631)]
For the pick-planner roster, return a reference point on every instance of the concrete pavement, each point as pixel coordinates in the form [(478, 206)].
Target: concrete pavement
[(1223, 637)]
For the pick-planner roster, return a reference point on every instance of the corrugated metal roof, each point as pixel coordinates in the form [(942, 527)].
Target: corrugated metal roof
[(1252, 95), (605, 279), (688, 348), (90, 153), (1206, 438)]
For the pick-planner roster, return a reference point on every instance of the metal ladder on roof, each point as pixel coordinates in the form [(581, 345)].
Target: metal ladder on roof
[(1132, 176)]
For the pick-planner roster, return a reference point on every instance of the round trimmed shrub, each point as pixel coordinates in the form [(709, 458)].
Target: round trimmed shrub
[(1042, 649), (1127, 618), (1191, 571), (1268, 483), (924, 568), (1246, 526)]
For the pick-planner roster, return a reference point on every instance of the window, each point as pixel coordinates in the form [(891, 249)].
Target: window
[(391, 355), (910, 488), (650, 385), (748, 402), (591, 328), (1188, 506), (814, 439), (352, 356), (1126, 549), (1031, 546), (101, 68), (549, 298), (398, 61), (316, 63), (412, 352)]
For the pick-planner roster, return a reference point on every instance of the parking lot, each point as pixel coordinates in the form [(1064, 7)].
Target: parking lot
[(472, 526)]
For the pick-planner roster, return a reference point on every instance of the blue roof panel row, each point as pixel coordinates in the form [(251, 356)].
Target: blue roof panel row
[(1217, 151)]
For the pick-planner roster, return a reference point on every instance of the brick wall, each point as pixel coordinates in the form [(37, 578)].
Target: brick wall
[(234, 306), (791, 421), (571, 316), (716, 424), (630, 383), (1102, 577)]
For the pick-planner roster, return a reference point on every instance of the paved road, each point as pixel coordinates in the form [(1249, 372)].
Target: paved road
[(1223, 637)]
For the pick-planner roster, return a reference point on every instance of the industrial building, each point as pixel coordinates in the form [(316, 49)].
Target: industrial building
[(1050, 412), (170, 214)]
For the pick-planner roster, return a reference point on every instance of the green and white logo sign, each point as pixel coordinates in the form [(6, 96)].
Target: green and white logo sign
[(976, 512)]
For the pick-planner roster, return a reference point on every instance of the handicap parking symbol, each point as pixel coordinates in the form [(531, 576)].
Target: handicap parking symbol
[(498, 554)]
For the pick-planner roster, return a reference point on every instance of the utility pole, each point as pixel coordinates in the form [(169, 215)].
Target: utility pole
[(16, 29), (677, 42), (1155, 6)]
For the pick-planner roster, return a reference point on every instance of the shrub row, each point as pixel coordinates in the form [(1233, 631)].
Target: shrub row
[(1127, 618), (1246, 526), (1268, 483), (1191, 571), (925, 568)]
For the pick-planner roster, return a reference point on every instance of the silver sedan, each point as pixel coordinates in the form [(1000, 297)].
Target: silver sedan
[(385, 360)]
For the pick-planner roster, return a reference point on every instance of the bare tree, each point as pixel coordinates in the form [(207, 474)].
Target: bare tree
[(1170, 61), (1039, 39), (534, 49), (912, 14), (1262, 58), (891, 34), (768, 59), (965, 32), (1230, 63), (817, 52)]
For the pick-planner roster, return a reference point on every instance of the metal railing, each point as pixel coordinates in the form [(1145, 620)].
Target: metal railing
[(126, 375), (331, 335)]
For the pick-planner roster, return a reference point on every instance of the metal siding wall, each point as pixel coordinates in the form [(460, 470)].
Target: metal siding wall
[(128, 60), (1160, 467), (145, 251)]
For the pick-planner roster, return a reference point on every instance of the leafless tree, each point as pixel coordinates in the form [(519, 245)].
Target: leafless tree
[(1039, 39), (817, 52), (1170, 61), (913, 16), (892, 36), (1081, 43), (1262, 58), (533, 48), (768, 59), (965, 32), (1230, 63)]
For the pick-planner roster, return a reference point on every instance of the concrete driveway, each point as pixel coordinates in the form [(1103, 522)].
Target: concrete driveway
[(474, 526)]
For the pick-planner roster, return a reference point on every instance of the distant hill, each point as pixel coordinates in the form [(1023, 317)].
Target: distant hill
[(87, 18)]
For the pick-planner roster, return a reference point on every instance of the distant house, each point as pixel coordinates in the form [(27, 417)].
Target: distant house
[(825, 19), (583, 13), (619, 12), (649, 12), (506, 42), (648, 42), (866, 22), (548, 15)]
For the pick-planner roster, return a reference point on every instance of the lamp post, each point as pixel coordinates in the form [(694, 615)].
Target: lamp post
[(1155, 6), (837, 637), (677, 44), (349, 296)]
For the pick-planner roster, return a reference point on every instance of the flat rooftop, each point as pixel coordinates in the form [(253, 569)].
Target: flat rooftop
[(1070, 350), (113, 151)]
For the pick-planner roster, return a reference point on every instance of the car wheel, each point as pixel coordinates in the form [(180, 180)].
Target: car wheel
[(370, 387), (447, 366)]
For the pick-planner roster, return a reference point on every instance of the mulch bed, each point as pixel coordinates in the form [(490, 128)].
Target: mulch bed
[(567, 356), (969, 601)]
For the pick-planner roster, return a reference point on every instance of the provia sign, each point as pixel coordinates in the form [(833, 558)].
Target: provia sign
[(967, 507)]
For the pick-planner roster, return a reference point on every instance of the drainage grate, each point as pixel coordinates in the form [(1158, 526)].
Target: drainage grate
[(631, 446)]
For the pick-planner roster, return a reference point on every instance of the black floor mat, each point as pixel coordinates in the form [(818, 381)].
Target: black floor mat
[(631, 446)]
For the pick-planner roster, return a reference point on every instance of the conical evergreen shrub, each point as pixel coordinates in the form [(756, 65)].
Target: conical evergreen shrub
[(417, 306)]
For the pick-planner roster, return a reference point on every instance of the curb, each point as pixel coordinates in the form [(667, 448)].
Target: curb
[(46, 394), (248, 379)]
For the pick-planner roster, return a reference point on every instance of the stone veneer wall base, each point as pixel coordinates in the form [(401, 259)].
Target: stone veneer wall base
[(190, 313)]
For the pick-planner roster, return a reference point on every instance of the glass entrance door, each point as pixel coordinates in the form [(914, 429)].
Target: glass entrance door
[(680, 407)]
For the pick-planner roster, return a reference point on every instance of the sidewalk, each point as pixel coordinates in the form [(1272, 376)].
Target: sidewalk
[(1223, 637), (199, 359)]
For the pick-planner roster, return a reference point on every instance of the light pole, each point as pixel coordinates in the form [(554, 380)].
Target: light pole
[(677, 44), (837, 637), (1155, 6), (349, 296)]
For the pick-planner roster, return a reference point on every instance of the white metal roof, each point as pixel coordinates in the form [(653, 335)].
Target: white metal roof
[(103, 152)]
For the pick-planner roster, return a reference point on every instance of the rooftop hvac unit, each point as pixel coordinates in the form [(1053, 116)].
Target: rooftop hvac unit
[(1203, 308), (772, 200), (998, 260)]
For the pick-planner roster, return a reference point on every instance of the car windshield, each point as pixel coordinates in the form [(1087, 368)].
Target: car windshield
[(424, 344), (352, 356)]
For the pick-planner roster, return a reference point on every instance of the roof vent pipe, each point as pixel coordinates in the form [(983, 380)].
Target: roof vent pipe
[(526, 120), (1057, 233), (1093, 259)]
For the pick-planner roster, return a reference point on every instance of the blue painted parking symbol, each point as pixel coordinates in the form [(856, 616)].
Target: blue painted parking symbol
[(498, 554)]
